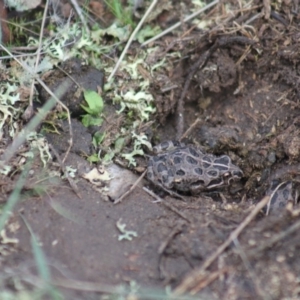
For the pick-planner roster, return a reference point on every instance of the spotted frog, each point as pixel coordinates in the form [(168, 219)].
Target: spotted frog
[(188, 169)]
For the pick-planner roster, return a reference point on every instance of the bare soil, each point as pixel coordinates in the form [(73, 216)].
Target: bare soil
[(246, 97)]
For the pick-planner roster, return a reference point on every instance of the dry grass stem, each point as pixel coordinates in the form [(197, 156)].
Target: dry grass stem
[(29, 110), (60, 90), (190, 17), (192, 279), (80, 14), (138, 27), (131, 189)]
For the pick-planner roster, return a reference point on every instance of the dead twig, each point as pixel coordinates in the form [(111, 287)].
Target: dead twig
[(192, 279), (269, 243), (192, 126), (131, 39), (34, 122), (158, 199), (190, 17), (63, 168), (252, 275), (29, 110), (80, 14), (176, 211), (131, 189), (208, 280), (164, 245), (60, 91)]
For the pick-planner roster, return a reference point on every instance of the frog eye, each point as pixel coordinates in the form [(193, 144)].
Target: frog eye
[(215, 182), (237, 173), (199, 183)]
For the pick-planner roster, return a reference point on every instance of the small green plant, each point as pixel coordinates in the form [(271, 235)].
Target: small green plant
[(123, 15), (94, 109)]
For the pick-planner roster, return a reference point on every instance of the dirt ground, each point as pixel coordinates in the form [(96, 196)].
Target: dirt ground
[(243, 101)]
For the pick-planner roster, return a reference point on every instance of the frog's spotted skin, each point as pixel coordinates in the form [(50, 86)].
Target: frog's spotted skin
[(188, 169), (280, 195)]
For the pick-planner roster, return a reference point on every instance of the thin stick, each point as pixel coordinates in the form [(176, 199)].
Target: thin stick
[(158, 199), (34, 122), (180, 23), (63, 169), (176, 211), (79, 12), (208, 280), (131, 39), (40, 81), (192, 279), (131, 189), (190, 128), (29, 110), (275, 239), (252, 275)]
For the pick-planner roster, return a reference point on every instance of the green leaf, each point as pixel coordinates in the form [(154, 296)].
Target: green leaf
[(93, 158), (108, 157), (147, 32), (89, 120), (98, 138), (119, 143), (94, 101)]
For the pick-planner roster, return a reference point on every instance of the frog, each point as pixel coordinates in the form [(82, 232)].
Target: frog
[(188, 169)]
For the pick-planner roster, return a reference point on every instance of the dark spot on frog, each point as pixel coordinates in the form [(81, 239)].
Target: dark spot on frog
[(163, 147), (223, 160), (274, 198), (191, 160), (165, 178), (198, 171), (213, 173), (207, 161), (156, 158), (180, 173), (286, 194), (177, 160), (161, 167), (194, 152)]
